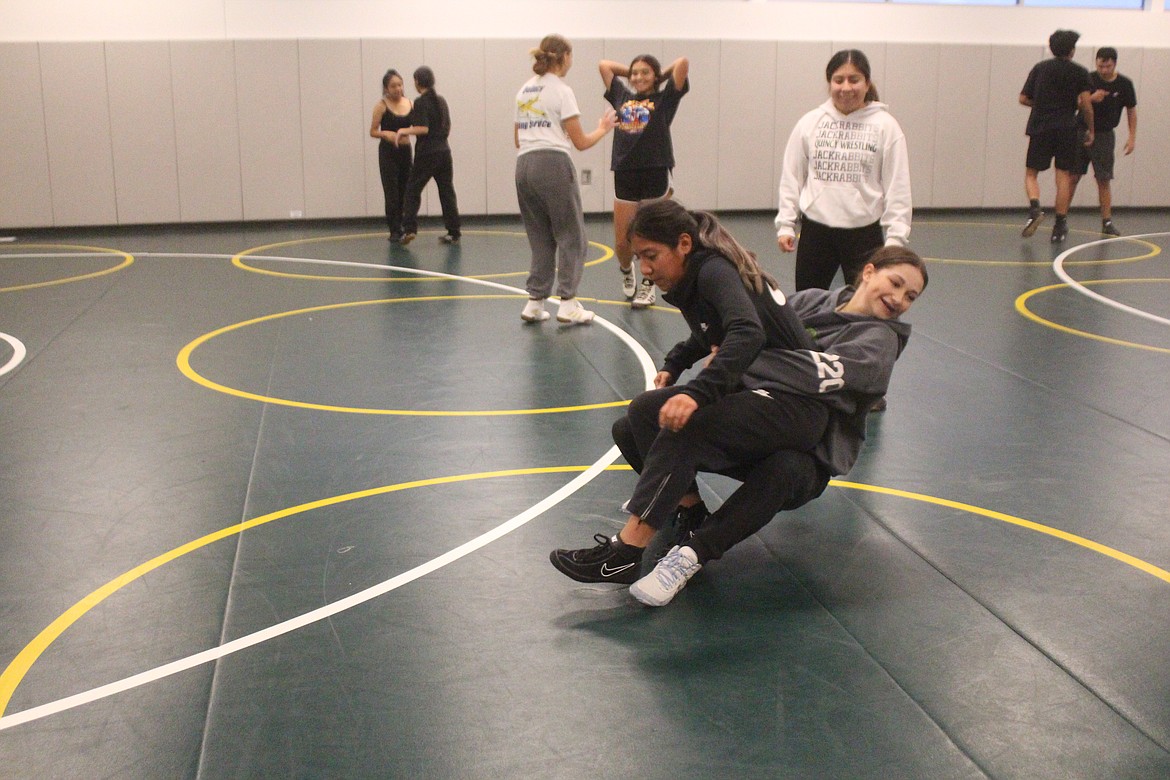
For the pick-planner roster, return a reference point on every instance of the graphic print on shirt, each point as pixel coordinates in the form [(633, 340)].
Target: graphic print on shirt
[(533, 116), (830, 369), (634, 115), (843, 151)]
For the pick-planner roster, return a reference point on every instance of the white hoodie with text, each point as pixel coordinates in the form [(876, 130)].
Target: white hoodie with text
[(847, 171)]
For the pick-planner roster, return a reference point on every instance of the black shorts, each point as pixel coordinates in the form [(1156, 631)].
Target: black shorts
[(1100, 153), (641, 184), (1045, 145)]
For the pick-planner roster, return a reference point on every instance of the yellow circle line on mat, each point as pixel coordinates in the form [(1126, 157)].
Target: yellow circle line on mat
[(24, 660), (127, 259), (1022, 308), (1155, 250), (184, 363), (238, 260)]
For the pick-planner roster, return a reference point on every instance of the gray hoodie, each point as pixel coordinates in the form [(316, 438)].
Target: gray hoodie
[(849, 373)]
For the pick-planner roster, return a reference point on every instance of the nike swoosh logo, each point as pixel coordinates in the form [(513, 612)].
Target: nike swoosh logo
[(608, 572)]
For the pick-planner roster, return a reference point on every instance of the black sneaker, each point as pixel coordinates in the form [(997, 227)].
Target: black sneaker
[(1108, 228), (1035, 217), (688, 519), (612, 560), (1059, 231), (396, 238), (448, 239)]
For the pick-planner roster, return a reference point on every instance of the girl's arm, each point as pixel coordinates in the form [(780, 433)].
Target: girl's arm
[(581, 140), (792, 177), (677, 71), (609, 69), (896, 185), (376, 130)]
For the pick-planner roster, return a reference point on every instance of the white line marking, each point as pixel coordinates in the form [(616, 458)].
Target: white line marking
[(1058, 267), (18, 353), (215, 653)]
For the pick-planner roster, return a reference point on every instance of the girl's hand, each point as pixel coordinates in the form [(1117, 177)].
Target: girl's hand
[(663, 379), (787, 243), (608, 120), (677, 412)]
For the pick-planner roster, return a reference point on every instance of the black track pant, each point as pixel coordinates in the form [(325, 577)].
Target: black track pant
[(764, 441), (823, 249)]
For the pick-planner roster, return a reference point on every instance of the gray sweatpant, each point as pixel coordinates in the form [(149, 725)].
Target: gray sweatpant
[(550, 203)]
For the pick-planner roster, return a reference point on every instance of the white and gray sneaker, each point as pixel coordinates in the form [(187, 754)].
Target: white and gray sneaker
[(534, 311), (573, 313), (629, 283), (645, 296), (670, 576)]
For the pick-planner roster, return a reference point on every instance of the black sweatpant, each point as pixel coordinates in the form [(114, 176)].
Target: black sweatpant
[(394, 165), (823, 249), (437, 166), (763, 440)]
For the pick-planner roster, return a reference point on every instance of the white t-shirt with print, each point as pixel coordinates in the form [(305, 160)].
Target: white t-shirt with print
[(542, 104)]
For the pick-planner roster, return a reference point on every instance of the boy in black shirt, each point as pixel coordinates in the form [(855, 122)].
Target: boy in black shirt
[(430, 122)]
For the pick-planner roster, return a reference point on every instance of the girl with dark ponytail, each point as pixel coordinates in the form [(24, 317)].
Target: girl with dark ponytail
[(779, 401)]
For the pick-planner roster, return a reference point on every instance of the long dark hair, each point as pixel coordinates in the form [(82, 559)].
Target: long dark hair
[(857, 58), (892, 255), (664, 220), (550, 54)]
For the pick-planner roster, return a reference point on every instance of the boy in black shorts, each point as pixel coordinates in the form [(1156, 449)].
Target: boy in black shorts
[(1054, 90)]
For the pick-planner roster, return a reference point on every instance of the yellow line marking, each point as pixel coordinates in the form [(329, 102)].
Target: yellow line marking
[(19, 667), (238, 260), (1022, 308), (184, 363), (126, 261)]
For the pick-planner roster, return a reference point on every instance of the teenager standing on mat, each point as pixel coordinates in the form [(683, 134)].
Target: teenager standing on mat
[(1110, 93), (430, 122), (391, 114), (781, 404), (548, 125), (643, 153), (1054, 90), (845, 178)]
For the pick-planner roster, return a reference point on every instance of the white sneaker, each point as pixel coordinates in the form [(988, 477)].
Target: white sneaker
[(670, 576), (645, 296), (572, 312), (534, 311), (629, 283)]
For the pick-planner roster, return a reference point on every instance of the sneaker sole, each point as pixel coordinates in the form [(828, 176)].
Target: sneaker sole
[(641, 304), (1032, 226), (537, 318), (648, 599)]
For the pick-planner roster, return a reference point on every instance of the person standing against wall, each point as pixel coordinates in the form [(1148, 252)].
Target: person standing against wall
[(392, 114), (845, 179), (548, 124), (643, 153), (430, 124), (1054, 90), (1110, 92)]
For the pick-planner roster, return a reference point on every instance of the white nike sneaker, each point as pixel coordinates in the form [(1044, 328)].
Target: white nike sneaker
[(670, 576), (572, 312), (534, 311), (645, 296)]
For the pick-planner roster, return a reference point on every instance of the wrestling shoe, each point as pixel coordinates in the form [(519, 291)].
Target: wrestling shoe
[(645, 296), (688, 519), (670, 576), (1108, 228), (1035, 217), (1059, 231), (573, 313), (407, 238), (629, 283), (612, 560), (448, 239), (534, 311)]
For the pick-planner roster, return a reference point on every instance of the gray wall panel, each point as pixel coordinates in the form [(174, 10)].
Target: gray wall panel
[(961, 86), (507, 65), (1151, 157), (207, 131), (26, 199), (747, 115), (77, 117), (1005, 146), (800, 87), (694, 132), (142, 121), (333, 143), (911, 92), (271, 153)]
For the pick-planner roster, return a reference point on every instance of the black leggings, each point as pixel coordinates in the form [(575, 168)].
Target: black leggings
[(764, 441), (823, 249)]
